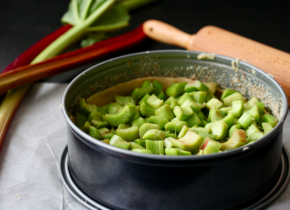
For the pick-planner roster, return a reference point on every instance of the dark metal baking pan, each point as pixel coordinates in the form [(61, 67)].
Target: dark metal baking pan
[(267, 198), (227, 180)]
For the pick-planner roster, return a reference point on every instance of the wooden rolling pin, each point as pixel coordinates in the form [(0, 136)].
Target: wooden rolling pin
[(216, 40)]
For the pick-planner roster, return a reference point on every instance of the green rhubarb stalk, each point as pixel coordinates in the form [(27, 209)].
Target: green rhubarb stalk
[(72, 35), (10, 103)]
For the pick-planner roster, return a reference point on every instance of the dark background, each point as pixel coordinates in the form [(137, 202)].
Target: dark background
[(22, 23)]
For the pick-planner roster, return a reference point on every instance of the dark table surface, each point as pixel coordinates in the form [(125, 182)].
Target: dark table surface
[(22, 23)]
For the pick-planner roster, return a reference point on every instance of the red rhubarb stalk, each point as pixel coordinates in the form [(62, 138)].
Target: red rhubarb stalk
[(67, 61), (14, 97)]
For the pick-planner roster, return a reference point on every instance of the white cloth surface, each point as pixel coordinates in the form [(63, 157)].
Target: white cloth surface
[(29, 160)]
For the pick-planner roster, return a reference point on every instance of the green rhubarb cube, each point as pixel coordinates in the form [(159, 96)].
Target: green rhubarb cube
[(182, 113), (220, 129)]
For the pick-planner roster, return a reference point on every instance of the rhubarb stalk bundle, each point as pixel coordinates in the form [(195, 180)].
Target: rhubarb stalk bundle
[(82, 17)]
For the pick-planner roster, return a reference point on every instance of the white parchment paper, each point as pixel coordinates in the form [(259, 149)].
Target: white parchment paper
[(29, 160)]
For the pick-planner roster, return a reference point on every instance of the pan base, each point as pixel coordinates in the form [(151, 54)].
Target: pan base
[(267, 198)]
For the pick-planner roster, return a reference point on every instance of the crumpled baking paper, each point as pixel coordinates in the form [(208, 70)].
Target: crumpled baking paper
[(29, 160)]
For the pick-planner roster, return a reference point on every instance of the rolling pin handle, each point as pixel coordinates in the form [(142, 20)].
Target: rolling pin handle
[(166, 33)]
